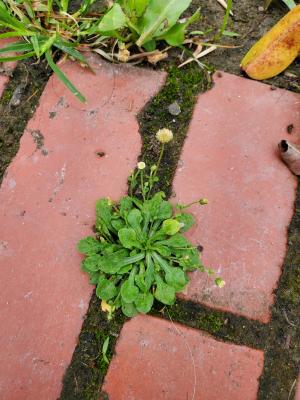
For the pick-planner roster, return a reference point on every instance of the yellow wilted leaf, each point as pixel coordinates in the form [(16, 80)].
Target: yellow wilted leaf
[(276, 50)]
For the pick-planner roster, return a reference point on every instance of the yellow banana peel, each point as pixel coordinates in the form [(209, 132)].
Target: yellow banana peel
[(276, 50)]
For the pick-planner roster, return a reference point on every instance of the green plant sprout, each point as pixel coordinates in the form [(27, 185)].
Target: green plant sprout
[(139, 253), (44, 27)]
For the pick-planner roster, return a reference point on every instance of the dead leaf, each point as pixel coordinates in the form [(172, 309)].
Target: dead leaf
[(158, 56), (290, 153), (276, 50)]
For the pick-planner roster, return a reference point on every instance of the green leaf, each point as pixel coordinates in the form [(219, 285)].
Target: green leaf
[(91, 263), (94, 277), (159, 17), (165, 210), (112, 263), (230, 34), (134, 219), (149, 274), (144, 302), (187, 219), (176, 240), (164, 293), (152, 206), (104, 211), (128, 238), (104, 350), (129, 310), (16, 34), (125, 206), (176, 35), (174, 276), (63, 77), (113, 20), (170, 227), (163, 250), (129, 291), (67, 48), (18, 47), (89, 245), (106, 289)]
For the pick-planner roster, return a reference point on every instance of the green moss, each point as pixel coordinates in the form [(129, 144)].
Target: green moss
[(182, 86)]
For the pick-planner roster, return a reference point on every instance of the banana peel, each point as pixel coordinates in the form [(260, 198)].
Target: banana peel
[(290, 154), (276, 50)]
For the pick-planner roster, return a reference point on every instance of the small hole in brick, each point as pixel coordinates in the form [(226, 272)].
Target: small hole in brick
[(100, 153), (290, 128)]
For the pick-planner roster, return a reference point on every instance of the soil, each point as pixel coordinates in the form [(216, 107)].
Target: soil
[(280, 338)]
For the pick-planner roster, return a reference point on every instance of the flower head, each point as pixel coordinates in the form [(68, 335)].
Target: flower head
[(141, 165), (164, 135), (203, 201)]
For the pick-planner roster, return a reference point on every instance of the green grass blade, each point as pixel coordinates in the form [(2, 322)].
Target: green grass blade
[(225, 19), (63, 77), (15, 58), (17, 47), (7, 19), (15, 34), (35, 45), (71, 51)]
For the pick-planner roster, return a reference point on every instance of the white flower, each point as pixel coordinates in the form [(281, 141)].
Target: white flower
[(141, 165), (164, 135)]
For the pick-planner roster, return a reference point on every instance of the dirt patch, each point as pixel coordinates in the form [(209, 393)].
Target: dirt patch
[(17, 105), (251, 24)]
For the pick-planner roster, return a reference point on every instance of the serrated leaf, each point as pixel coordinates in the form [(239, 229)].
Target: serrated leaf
[(276, 50)]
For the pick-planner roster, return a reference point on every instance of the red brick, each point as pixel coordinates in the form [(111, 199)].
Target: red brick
[(47, 203), (5, 67), (230, 157), (156, 359)]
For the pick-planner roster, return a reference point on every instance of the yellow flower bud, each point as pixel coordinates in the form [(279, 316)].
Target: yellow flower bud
[(164, 135), (141, 165)]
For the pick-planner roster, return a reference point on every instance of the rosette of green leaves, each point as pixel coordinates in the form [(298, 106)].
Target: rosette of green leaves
[(139, 253)]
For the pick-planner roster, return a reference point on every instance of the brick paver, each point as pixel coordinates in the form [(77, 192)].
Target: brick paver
[(70, 155), (156, 359), (5, 68), (230, 157)]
